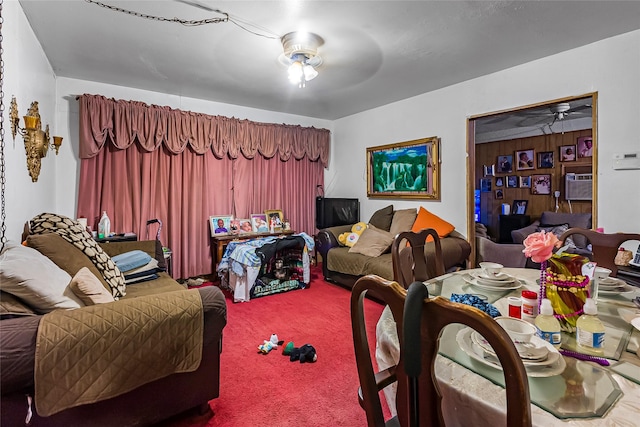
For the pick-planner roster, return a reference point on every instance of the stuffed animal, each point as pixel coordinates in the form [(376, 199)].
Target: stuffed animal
[(267, 346), (349, 238), (306, 353)]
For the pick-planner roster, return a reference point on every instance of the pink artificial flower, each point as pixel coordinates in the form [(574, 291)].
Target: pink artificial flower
[(539, 246)]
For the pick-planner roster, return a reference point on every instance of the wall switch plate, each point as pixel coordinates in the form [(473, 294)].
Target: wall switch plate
[(626, 161)]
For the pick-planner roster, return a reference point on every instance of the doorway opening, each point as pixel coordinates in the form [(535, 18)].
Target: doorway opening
[(528, 160)]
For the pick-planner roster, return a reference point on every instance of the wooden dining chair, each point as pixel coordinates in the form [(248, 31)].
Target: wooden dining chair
[(412, 265), (419, 323), (604, 247)]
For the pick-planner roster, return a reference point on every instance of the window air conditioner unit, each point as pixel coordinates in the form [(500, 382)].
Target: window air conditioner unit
[(578, 186)]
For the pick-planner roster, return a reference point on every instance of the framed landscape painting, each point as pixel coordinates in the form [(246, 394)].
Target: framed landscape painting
[(405, 170)]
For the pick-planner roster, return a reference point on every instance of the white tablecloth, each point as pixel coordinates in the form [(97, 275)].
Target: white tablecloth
[(471, 400)]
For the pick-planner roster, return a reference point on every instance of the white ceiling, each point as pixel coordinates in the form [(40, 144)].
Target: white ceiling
[(374, 52)]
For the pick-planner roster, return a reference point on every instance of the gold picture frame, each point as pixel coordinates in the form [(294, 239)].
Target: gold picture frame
[(275, 220), (405, 170)]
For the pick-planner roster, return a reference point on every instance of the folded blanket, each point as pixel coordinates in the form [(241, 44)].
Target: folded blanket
[(130, 260), (142, 278), (102, 351), (151, 266)]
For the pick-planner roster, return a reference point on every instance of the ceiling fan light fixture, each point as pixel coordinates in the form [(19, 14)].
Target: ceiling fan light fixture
[(301, 55)]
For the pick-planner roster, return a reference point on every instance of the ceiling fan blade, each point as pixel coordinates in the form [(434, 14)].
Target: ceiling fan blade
[(197, 4), (580, 108), (535, 120)]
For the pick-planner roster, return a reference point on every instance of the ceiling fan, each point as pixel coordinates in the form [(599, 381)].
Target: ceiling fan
[(548, 115)]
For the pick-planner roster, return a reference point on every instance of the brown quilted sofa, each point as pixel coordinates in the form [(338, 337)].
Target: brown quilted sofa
[(145, 405), (342, 266)]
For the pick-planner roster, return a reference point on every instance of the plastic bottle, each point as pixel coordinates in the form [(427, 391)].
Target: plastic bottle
[(547, 325), (104, 226), (529, 306), (590, 330)]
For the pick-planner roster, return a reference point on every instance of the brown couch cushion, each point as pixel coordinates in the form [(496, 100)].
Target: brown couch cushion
[(372, 242), (382, 218), (11, 306), (402, 220), (63, 254)]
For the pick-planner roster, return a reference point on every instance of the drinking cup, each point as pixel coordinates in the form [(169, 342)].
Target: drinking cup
[(491, 269), (599, 274)]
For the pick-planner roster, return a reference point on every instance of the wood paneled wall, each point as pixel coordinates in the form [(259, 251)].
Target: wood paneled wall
[(487, 154)]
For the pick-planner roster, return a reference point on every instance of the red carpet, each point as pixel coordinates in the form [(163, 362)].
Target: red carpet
[(257, 389)]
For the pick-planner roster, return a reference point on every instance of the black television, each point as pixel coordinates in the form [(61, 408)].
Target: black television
[(331, 211)]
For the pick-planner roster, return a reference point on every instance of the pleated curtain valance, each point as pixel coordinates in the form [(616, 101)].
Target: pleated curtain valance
[(125, 122)]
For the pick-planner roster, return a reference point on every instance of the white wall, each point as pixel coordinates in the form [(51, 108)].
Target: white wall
[(29, 77), (611, 67)]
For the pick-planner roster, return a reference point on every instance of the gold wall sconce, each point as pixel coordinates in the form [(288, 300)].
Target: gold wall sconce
[(36, 141)]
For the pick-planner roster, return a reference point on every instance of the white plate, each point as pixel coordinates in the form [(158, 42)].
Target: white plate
[(463, 337), (548, 358), (610, 283), (618, 290), (493, 282), (509, 286), (500, 278)]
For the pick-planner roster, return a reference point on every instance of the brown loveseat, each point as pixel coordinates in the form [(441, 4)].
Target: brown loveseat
[(144, 405), (342, 266)]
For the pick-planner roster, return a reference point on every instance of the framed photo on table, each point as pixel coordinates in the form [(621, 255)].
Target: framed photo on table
[(220, 224), (245, 225), (519, 207), (275, 220), (259, 223)]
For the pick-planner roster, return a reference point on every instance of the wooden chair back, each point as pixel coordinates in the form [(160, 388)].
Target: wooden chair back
[(604, 247), (412, 266), (418, 390)]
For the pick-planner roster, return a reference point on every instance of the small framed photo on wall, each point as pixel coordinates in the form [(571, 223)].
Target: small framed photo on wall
[(512, 181), (505, 163), (525, 159), (545, 160), (541, 184), (499, 194), (499, 181), (489, 170), (585, 146), (485, 185), (525, 182), (568, 153)]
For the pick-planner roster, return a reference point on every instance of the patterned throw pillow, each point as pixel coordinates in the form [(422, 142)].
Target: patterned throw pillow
[(73, 232), (558, 230)]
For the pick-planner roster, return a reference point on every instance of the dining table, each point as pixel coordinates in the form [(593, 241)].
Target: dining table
[(570, 392)]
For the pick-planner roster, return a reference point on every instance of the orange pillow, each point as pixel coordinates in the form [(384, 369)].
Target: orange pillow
[(426, 219)]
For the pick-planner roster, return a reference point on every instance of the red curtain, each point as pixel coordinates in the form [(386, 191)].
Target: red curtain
[(183, 188)]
